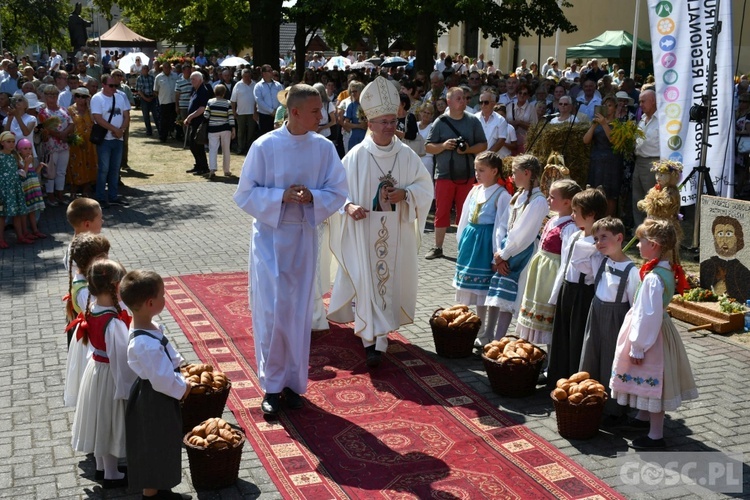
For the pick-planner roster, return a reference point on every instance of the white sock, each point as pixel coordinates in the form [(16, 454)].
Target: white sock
[(110, 468), (482, 313), (656, 430), (503, 322)]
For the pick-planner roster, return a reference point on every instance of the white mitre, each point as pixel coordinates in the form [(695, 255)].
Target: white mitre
[(379, 98)]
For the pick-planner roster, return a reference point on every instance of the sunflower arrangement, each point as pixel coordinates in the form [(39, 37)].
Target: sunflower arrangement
[(623, 137)]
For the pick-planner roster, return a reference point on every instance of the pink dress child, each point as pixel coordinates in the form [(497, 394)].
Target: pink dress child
[(664, 379)]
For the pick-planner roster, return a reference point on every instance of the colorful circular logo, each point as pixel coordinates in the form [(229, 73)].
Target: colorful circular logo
[(667, 43), (674, 127), (674, 143), (676, 156), (665, 26), (673, 110), (663, 9), (671, 94), (670, 77), (669, 60)]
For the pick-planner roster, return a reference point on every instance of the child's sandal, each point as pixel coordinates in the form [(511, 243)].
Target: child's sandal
[(39, 234)]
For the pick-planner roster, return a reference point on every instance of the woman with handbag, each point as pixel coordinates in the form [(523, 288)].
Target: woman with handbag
[(407, 129), (82, 165), (221, 130), (426, 113), (328, 113)]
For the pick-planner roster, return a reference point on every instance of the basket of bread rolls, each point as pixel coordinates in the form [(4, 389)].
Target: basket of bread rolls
[(214, 451), (579, 403), (208, 395), (513, 365), (454, 330)]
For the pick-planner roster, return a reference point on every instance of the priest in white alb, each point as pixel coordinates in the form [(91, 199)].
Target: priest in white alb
[(291, 181), (376, 237)]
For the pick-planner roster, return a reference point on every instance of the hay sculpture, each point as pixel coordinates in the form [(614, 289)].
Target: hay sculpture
[(555, 170), (555, 138)]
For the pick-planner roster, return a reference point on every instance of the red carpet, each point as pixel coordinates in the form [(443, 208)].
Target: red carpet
[(409, 430)]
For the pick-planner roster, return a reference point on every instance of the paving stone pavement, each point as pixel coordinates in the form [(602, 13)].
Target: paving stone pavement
[(196, 228)]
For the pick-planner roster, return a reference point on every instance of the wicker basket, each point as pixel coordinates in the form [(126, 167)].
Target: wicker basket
[(214, 469), (579, 421), (513, 379), (199, 407), (453, 342)]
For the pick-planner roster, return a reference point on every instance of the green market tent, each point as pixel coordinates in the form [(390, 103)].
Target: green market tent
[(610, 45)]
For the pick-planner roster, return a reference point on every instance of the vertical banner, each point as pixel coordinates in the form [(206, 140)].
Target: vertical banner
[(681, 41)]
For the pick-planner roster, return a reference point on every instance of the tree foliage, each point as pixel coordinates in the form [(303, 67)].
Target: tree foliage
[(35, 21), (423, 21), (198, 23)]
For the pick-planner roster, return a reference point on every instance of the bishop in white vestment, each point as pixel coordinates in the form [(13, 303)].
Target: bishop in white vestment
[(291, 181), (376, 238)]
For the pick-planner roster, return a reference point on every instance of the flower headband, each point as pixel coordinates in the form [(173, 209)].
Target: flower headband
[(667, 167)]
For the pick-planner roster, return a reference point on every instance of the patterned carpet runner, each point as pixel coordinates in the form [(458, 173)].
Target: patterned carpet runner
[(409, 429)]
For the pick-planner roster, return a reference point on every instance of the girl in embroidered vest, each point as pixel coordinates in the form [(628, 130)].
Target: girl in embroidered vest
[(577, 290), (485, 208), (99, 421), (615, 284), (651, 371), (538, 304), (88, 247), (153, 419), (515, 243), (84, 250)]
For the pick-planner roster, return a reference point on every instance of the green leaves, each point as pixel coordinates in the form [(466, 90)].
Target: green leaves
[(35, 21)]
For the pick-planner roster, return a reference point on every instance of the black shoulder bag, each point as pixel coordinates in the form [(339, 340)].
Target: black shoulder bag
[(98, 133)]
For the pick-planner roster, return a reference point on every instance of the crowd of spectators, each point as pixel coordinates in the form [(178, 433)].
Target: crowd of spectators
[(174, 100)]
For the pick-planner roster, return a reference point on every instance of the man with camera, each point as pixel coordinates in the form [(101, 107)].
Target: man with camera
[(455, 138)]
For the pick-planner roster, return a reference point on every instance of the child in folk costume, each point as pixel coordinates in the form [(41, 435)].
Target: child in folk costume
[(538, 305), (485, 209), (12, 199), (99, 422), (32, 188), (84, 250), (153, 419), (577, 290), (515, 247), (615, 285), (651, 371)]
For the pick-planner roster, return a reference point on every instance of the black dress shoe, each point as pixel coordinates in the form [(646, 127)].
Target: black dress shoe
[(191, 171), (635, 424), (646, 443), (373, 356), (110, 484), (293, 400), (170, 495), (200, 172), (271, 403)]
